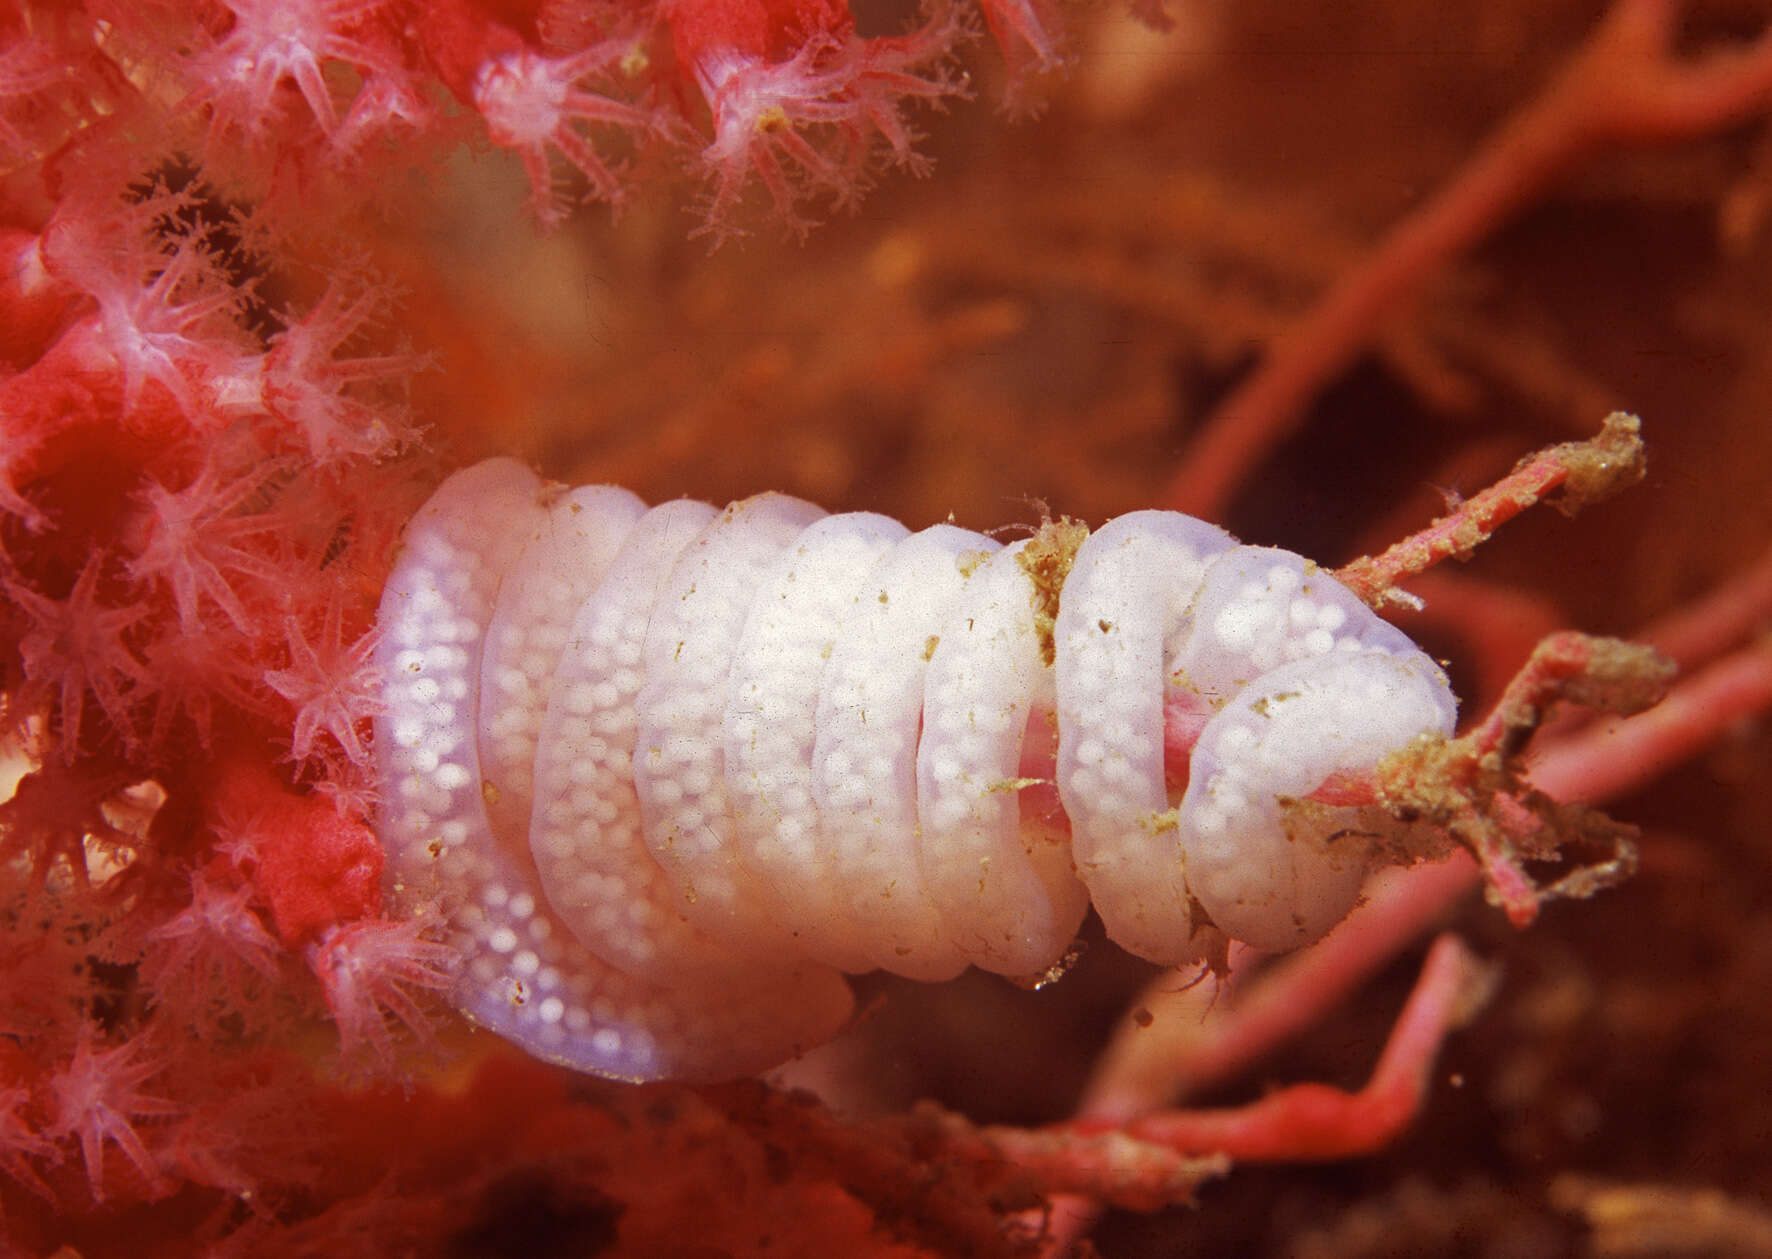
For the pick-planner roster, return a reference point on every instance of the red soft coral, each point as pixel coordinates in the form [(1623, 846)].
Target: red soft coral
[(201, 959), (269, 44), (798, 99), (367, 971), (313, 868), (34, 305), (196, 542), (15, 455), (73, 647), (20, 1143), (39, 93), (166, 310), (194, 675), (334, 687), (98, 1099), (533, 103), (336, 406), (1031, 37), (58, 813)]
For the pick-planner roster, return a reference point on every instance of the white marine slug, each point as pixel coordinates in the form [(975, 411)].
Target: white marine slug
[(668, 773)]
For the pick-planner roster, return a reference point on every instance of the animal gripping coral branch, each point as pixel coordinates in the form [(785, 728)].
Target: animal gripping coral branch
[(1473, 787)]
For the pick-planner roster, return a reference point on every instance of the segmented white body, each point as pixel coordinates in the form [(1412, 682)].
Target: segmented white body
[(668, 773)]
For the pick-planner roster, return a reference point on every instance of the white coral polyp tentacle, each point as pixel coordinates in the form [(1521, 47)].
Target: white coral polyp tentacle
[(666, 774)]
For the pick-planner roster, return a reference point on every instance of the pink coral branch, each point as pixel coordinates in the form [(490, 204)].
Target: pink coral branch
[(1624, 86), (1609, 759), (1584, 471), (1186, 1040), (1157, 1159), (1312, 1121), (1705, 628)]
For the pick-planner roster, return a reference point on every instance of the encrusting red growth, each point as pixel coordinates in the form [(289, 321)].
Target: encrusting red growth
[(313, 868)]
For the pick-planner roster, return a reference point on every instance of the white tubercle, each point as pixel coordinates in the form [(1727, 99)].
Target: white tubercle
[(561, 563), (772, 721), (864, 762), (982, 682), (1269, 869), (524, 975), (1123, 609), (680, 756), (1259, 608), (586, 828)]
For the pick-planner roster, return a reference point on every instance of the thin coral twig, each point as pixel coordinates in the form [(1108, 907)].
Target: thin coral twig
[(1705, 628), (1605, 674), (1314, 1121), (1179, 1041), (1624, 86), (1190, 1043), (1609, 759), (1473, 788), (1158, 1159), (1583, 471)]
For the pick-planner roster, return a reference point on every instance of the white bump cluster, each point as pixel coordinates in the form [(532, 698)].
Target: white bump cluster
[(668, 773)]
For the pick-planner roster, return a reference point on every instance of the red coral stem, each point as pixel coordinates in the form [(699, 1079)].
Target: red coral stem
[(1161, 1157), (1314, 1121), (1584, 472), (1626, 85)]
